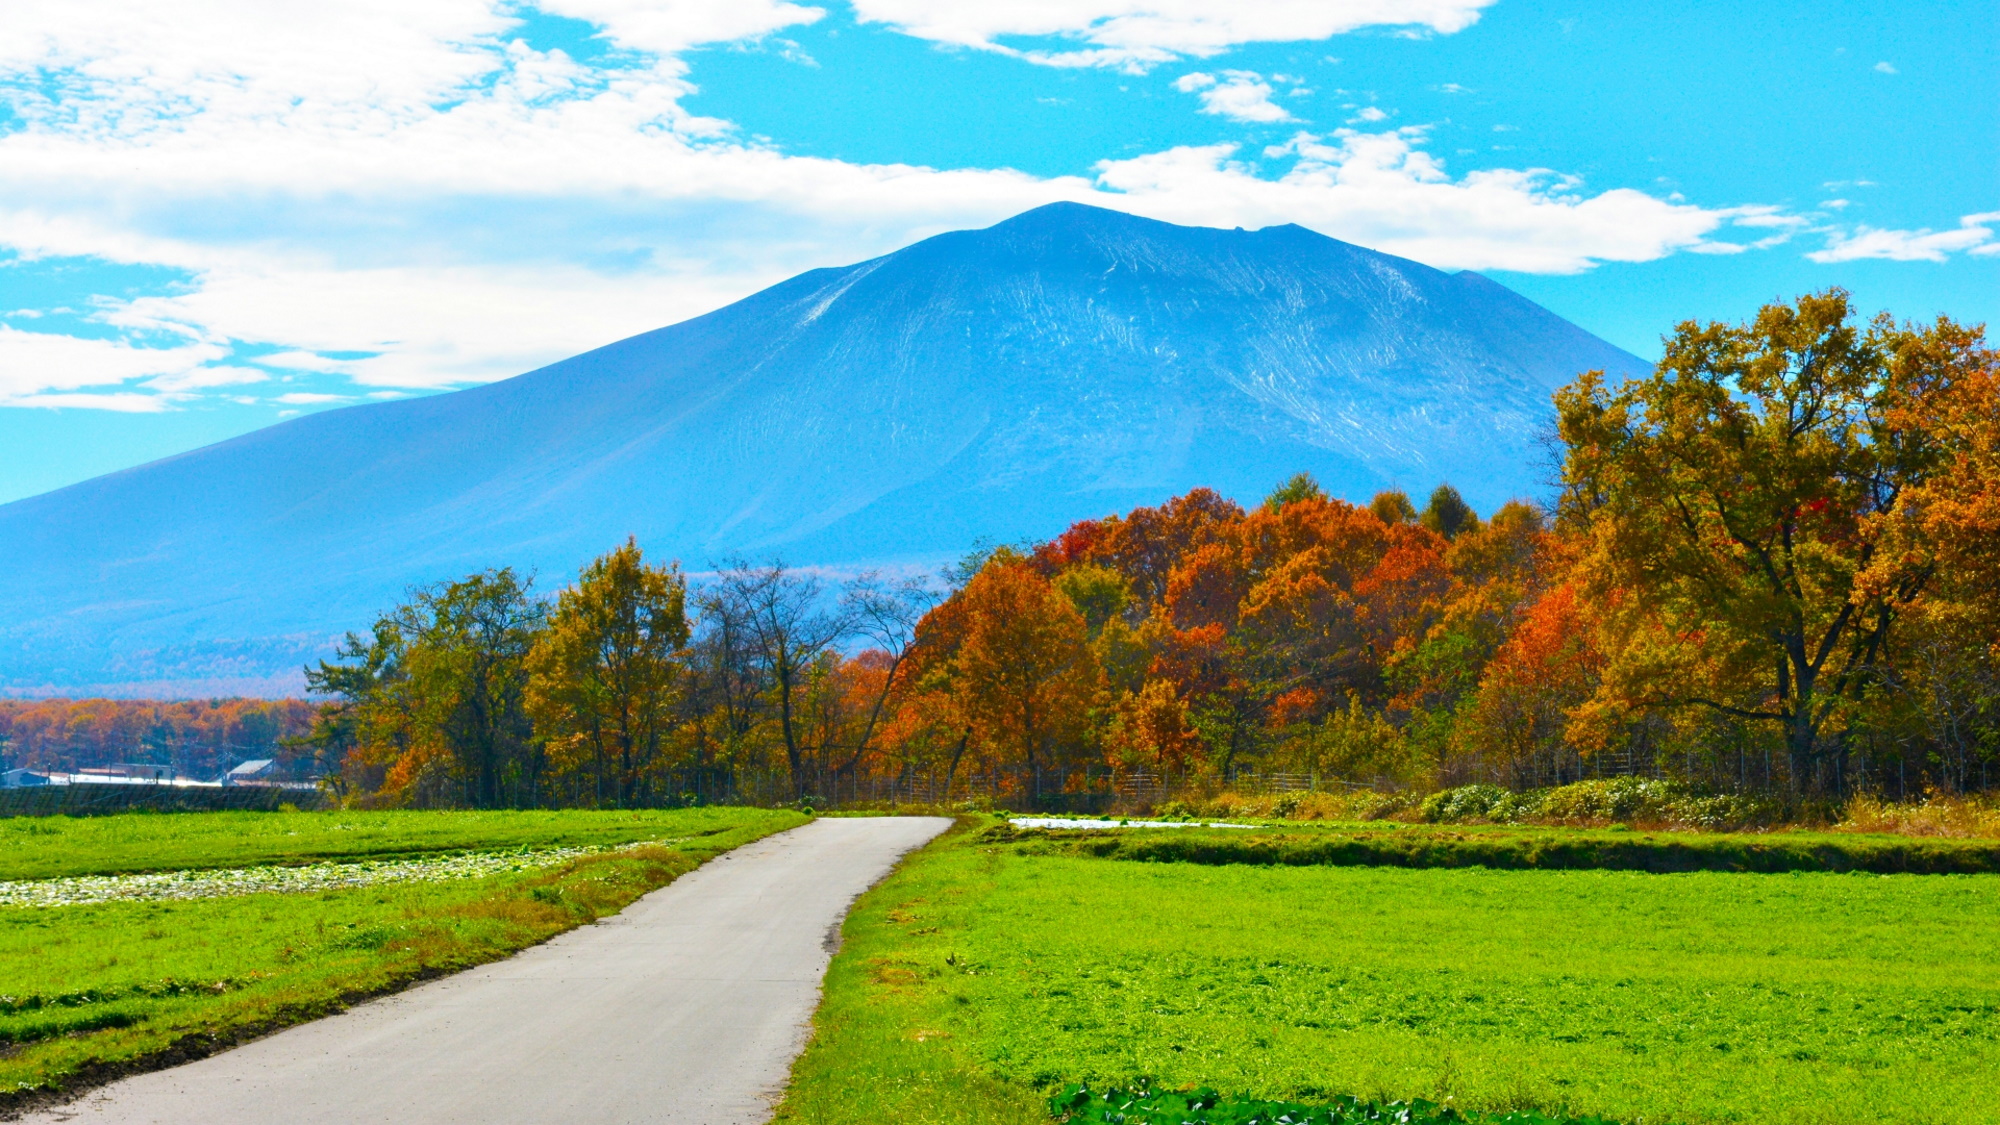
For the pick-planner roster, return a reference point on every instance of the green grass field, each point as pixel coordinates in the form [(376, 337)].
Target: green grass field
[(88, 992), (978, 978)]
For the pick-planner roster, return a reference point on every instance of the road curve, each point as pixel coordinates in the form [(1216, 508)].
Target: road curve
[(687, 1007)]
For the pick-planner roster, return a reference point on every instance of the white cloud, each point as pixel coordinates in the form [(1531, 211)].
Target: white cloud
[(307, 398), (1381, 190), (665, 27), (33, 362), (1885, 68), (413, 184), (1974, 235), (1370, 114), (1240, 95), (1136, 34)]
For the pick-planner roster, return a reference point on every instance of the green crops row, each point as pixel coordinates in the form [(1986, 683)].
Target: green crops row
[(1524, 850), (1081, 1105)]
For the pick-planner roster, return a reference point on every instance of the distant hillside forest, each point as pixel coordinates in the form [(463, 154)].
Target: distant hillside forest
[(1773, 566), (200, 740)]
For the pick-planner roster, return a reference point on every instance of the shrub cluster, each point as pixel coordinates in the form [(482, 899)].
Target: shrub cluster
[(1651, 802)]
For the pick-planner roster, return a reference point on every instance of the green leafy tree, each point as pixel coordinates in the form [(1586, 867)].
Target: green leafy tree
[(434, 696), (1448, 514), (1302, 486)]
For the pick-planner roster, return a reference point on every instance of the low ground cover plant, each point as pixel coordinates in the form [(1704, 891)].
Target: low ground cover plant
[(979, 980), (89, 992), (1143, 1105)]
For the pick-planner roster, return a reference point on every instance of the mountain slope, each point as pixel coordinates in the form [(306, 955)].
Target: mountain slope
[(1069, 362)]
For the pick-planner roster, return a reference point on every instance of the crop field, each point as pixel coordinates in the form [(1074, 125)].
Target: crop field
[(985, 976), (125, 977), (45, 847)]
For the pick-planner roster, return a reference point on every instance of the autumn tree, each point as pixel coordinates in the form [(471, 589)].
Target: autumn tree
[(1393, 507), (604, 676), (1733, 501), (1548, 668), (1949, 663), (1025, 671), (1149, 730)]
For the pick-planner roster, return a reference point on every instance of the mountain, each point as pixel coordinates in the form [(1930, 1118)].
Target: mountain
[(997, 383)]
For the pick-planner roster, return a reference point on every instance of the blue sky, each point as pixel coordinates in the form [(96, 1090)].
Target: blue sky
[(215, 216)]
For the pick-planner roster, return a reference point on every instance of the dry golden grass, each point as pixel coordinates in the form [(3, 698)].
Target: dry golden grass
[(1938, 814)]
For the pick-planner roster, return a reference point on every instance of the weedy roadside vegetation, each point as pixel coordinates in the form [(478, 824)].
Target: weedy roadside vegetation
[(982, 977), (1637, 802), (1506, 847), (91, 992)]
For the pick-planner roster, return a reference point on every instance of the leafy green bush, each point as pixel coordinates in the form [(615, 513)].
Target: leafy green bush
[(1467, 802), (1609, 799), (1603, 801), (1143, 1106)]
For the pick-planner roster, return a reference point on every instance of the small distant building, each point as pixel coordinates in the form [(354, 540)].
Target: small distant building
[(22, 779), (256, 771)]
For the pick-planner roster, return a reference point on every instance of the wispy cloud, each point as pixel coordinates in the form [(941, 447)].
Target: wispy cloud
[(1139, 34), (1974, 235), (1885, 68)]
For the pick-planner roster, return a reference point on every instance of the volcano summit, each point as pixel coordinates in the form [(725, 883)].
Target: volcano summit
[(997, 383)]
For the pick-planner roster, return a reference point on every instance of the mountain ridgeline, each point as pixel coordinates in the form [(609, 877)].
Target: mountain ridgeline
[(996, 384)]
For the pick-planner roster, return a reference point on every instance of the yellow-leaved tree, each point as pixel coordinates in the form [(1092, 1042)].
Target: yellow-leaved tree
[(604, 677), (1736, 509)]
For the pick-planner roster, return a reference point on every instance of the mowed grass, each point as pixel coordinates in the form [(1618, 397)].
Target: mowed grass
[(89, 992), (44, 847), (977, 978)]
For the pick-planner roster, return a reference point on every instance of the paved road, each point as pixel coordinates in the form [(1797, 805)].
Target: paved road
[(687, 1007)]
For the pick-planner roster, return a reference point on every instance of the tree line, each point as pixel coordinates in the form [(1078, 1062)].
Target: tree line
[(1773, 563), (200, 738)]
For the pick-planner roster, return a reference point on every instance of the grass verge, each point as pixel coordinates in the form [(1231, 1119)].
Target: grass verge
[(979, 979), (91, 993)]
